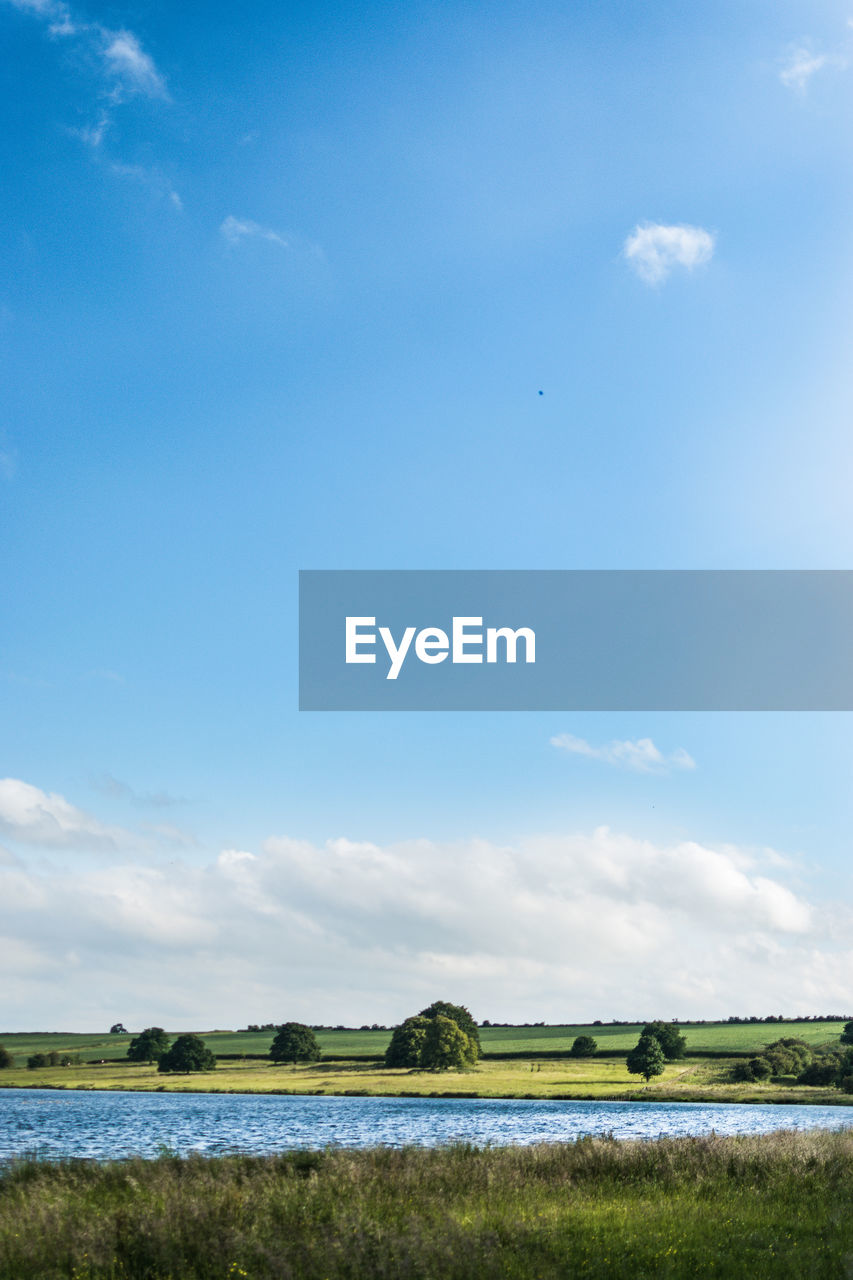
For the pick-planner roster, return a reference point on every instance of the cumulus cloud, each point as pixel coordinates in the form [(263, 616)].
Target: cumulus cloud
[(654, 249), (32, 816), (236, 230), (561, 928), (641, 756), (801, 63)]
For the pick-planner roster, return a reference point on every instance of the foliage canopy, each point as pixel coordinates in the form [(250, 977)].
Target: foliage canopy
[(188, 1053), (439, 1037), (670, 1039), (646, 1058), (294, 1042), (149, 1045)]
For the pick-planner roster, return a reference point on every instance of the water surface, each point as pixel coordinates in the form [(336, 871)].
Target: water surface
[(109, 1125)]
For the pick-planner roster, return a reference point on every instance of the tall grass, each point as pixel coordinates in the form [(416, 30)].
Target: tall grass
[(774, 1206)]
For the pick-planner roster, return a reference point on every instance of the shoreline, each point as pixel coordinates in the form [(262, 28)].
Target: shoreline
[(843, 1100)]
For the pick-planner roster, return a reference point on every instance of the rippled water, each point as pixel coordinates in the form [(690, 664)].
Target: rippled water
[(106, 1125)]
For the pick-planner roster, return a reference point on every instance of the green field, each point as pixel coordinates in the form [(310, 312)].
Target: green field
[(768, 1208), (711, 1038)]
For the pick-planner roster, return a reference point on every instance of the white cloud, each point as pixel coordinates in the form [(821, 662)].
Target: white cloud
[(32, 816), (654, 249), (131, 67), (236, 230), (641, 756), (801, 64), (561, 928)]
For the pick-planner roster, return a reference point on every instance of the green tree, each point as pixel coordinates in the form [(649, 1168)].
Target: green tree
[(847, 1033), (294, 1042), (583, 1047), (446, 1045), (6, 1059), (670, 1039), (458, 1014), (646, 1058), (407, 1043), (149, 1045), (188, 1053)]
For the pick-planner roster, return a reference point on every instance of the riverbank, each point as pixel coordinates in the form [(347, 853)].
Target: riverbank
[(691, 1080), (774, 1206)]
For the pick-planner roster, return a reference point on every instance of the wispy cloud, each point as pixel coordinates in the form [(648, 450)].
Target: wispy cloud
[(151, 178), (125, 63), (54, 12), (125, 70), (107, 785), (654, 249), (130, 66), (801, 63), (235, 230), (104, 673), (640, 756)]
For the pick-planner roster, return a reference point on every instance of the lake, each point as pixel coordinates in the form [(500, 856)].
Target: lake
[(109, 1125)]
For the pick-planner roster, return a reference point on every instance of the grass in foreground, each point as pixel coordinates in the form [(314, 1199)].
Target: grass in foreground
[(775, 1206)]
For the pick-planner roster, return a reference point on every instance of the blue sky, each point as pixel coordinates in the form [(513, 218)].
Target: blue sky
[(280, 290)]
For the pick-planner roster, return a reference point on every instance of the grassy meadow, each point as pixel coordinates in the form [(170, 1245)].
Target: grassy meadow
[(690, 1079), (774, 1206), (528, 1062)]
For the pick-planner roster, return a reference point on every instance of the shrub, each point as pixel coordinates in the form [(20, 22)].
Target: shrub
[(822, 1071), (583, 1047), (741, 1073)]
